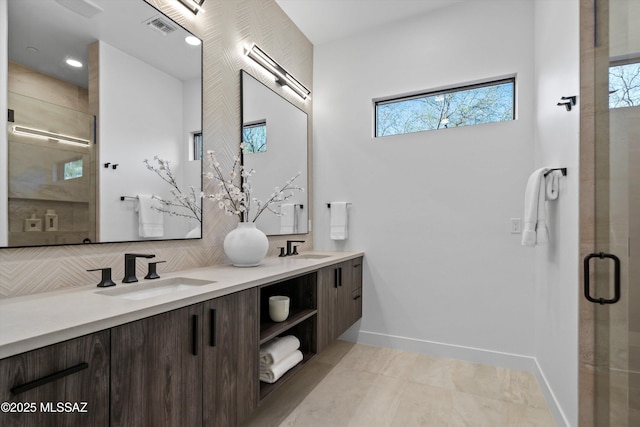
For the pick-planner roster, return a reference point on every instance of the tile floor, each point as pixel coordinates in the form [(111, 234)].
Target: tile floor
[(357, 385)]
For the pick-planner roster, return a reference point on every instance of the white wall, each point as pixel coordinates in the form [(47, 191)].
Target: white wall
[(432, 210), (4, 184), (125, 142), (192, 121), (557, 144)]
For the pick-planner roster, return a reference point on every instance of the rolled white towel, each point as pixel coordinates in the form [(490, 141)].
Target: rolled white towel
[(277, 349), (276, 370)]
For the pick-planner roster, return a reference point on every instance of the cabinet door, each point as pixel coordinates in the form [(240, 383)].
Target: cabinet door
[(65, 384), (340, 300), (352, 282), (156, 370), (328, 318), (230, 358)]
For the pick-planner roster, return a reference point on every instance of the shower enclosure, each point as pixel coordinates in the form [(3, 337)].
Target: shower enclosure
[(610, 213)]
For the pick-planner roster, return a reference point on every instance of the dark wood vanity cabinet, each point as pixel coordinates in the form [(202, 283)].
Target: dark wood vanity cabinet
[(301, 321), (340, 300), (230, 363), (156, 370), (193, 366), (188, 367), (65, 384)]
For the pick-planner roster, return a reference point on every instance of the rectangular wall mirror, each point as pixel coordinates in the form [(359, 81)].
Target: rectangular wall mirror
[(78, 137), (275, 135)]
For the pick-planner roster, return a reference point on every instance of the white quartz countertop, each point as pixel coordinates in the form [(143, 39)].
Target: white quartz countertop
[(33, 321)]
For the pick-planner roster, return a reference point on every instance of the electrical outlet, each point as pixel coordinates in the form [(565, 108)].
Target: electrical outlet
[(516, 225)]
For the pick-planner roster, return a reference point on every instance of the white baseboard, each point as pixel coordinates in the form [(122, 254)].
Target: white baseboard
[(475, 355)]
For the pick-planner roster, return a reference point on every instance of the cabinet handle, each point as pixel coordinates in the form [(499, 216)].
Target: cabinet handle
[(49, 378), (212, 336), (194, 343), (340, 281), (336, 277)]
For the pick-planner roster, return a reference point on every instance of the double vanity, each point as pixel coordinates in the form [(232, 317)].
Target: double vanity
[(182, 350)]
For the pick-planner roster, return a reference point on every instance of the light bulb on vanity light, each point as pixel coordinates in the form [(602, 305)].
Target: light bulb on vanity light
[(282, 76), (194, 6)]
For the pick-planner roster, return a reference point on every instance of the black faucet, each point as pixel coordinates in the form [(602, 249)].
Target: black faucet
[(130, 266), (291, 249)]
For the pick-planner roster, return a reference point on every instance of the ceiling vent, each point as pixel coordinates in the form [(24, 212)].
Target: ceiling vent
[(160, 25)]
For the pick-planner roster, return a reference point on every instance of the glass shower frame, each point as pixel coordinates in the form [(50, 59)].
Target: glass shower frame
[(610, 219)]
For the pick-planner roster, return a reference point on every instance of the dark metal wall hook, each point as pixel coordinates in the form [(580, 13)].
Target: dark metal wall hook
[(563, 170), (567, 102)]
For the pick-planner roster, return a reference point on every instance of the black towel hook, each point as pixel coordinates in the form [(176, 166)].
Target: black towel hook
[(563, 170), (567, 102)]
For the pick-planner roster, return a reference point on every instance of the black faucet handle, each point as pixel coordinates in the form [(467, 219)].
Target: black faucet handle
[(106, 281), (152, 273), (139, 255), (295, 250), (282, 252)]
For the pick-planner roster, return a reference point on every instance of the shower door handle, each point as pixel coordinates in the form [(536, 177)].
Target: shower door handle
[(616, 279)]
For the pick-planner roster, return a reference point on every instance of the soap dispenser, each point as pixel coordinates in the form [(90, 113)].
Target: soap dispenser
[(33, 223), (51, 220)]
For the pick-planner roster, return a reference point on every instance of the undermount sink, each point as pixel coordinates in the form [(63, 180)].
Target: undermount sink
[(313, 256), (154, 289)]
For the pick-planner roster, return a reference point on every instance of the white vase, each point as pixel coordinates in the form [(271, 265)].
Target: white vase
[(246, 246)]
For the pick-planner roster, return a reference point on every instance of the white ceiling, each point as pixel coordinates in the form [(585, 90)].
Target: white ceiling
[(323, 21), (43, 33)]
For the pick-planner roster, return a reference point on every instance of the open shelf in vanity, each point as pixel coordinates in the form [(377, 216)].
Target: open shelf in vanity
[(302, 321)]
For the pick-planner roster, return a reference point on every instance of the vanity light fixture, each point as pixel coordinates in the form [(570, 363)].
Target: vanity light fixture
[(194, 6), (282, 76), (43, 134)]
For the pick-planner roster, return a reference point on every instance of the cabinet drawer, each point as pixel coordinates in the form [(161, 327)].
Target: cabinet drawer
[(65, 384)]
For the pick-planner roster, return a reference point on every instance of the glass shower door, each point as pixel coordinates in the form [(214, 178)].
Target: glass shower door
[(612, 271)]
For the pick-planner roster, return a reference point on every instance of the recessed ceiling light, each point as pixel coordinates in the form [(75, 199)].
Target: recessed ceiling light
[(74, 63), (193, 40)]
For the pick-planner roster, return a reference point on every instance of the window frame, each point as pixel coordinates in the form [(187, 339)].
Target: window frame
[(441, 91)]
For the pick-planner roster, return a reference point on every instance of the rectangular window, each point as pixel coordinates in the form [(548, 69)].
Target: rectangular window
[(476, 104), (197, 146), (624, 85), (254, 136), (73, 169)]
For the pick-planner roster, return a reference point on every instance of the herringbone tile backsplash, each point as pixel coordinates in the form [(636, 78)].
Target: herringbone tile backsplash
[(227, 27)]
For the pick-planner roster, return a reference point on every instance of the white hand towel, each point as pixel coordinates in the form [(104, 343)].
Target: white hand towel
[(277, 370), (150, 220), (277, 349), (288, 220), (339, 221), (535, 230), (552, 185)]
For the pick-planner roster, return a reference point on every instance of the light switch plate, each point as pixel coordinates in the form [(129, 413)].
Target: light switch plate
[(516, 225)]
